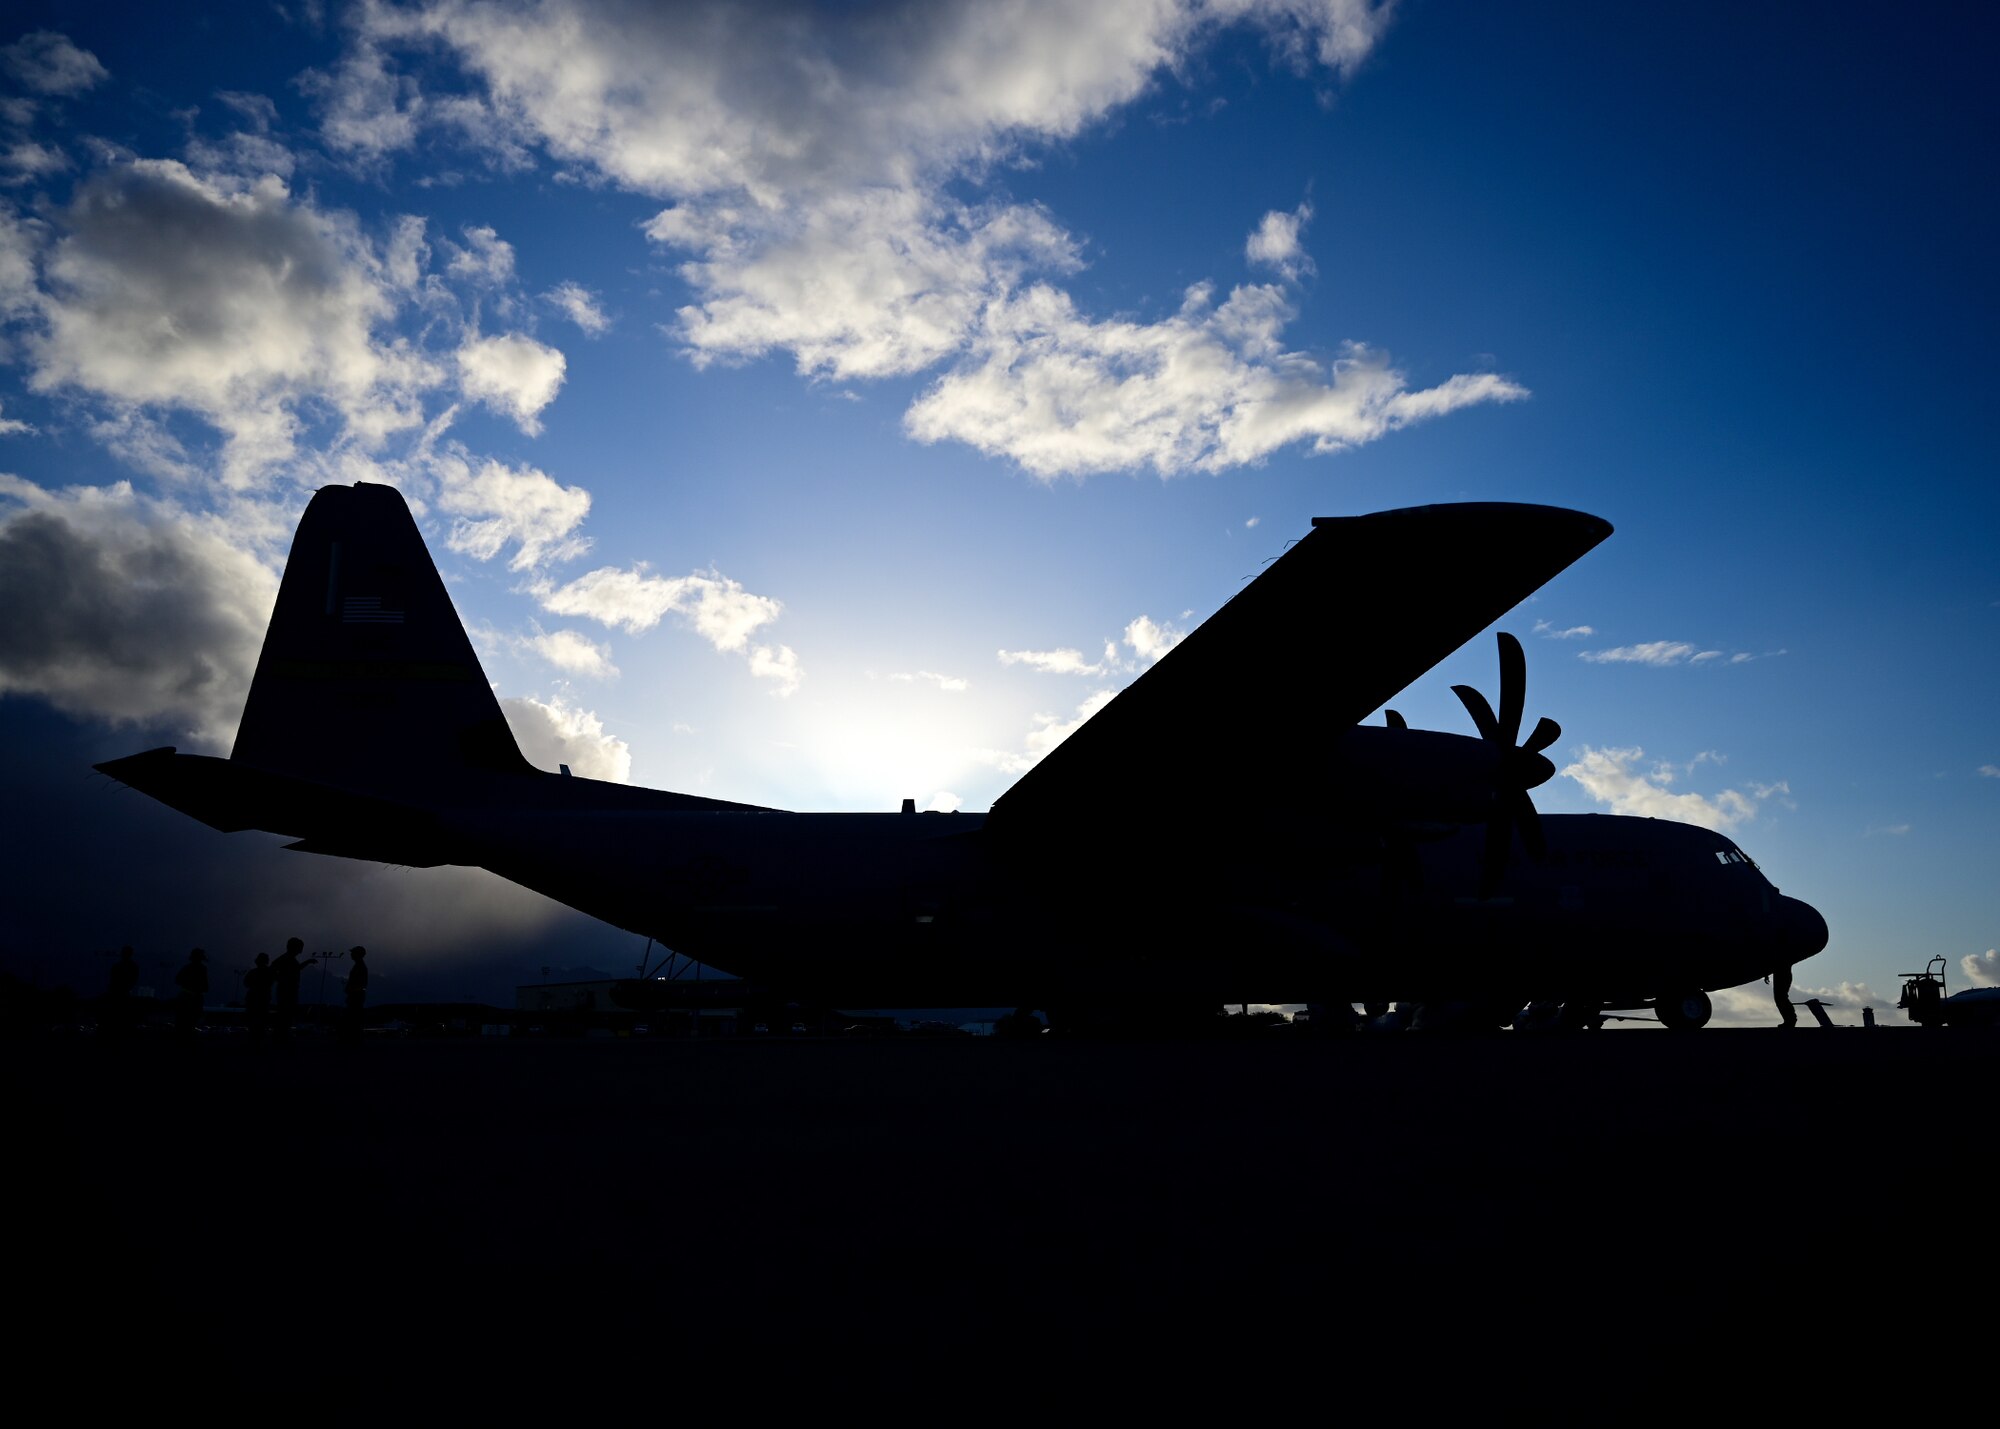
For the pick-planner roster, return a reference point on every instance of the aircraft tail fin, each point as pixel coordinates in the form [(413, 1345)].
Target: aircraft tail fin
[(367, 681)]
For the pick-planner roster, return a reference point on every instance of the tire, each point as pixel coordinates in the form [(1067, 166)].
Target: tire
[(1684, 1011)]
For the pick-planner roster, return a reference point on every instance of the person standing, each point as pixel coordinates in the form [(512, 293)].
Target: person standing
[(1781, 993), (285, 973), (357, 994), (192, 984)]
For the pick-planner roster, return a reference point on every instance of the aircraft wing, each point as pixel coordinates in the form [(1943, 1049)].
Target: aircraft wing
[(1234, 719)]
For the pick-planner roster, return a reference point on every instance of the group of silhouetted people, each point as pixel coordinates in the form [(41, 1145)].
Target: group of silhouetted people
[(270, 993)]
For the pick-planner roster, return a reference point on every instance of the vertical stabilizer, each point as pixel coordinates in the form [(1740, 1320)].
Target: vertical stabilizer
[(367, 681)]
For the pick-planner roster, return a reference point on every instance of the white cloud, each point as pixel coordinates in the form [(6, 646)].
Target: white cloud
[(511, 374), (1574, 632), (821, 172), (128, 611), (580, 306), (1149, 640), (1207, 389), (1275, 242), (1982, 969), (1991, 771), (1654, 652), (229, 300), (26, 161), (12, 427), (943, 802), (1052, 662), (1751, 1005), (1146, 637), (1251, 524), (950, 684), (486, 258), (497, 504), (1610, 777), (714, 606), (574, 653), (558, 733), (51, 64)]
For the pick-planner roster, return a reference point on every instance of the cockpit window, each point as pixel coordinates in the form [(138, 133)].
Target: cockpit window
[(1733, 855)]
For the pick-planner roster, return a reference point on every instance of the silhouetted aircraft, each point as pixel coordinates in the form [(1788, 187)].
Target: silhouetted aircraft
[(1225, 830)]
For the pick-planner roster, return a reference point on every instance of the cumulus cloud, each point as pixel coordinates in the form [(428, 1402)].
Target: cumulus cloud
[(1205, 390), (511, 374), (128, 611), (1145, 637), (169, 289), (558, 733), (1982, 969), (1275, 242), (496, 504), (486, 257), (822, 170), (1613, 777), (1150, 640), (580, 306), (48, 63), (574, 653), (710, 603)]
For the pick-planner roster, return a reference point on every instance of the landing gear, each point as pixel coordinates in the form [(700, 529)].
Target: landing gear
[(1684, 1011), (1576, 1015)]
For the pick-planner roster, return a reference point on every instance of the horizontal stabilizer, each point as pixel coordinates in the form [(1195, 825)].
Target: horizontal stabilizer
[(230, 797)]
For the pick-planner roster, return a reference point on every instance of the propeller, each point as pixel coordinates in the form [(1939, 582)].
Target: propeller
[(1522, 766)]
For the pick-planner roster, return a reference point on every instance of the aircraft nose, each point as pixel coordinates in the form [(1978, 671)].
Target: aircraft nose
[(1800, 927)]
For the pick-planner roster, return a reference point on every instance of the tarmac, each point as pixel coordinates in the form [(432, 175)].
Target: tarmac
[(1394, 1218)]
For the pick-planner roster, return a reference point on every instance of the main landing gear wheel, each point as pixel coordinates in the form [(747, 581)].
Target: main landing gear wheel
[(1684, 1011)]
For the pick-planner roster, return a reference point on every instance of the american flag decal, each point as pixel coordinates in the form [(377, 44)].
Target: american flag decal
[(368, 610)]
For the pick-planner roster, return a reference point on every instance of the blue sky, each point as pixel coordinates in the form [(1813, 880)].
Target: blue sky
[(785, 392)]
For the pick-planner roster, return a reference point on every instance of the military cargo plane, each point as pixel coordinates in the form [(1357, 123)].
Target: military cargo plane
[(1227, 829)]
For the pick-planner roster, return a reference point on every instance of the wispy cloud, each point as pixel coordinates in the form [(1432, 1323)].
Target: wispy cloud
[(1653, 652), (1991, 771), (1613, 777), (1547, 630), (580, 306), (950, 684)]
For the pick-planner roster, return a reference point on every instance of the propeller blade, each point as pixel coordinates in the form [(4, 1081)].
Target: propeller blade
[(1394, 720), (1513, 686), (1481, 712), (1547, 732)]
